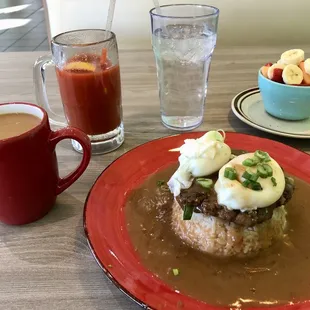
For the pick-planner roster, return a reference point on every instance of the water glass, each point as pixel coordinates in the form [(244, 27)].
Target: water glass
[(183, 39), (88, 74)]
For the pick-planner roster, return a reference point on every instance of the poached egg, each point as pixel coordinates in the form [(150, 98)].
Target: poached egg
[(235, 196), (199, 157)]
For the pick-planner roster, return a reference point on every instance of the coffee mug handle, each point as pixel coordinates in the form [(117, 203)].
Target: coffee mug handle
[(39, 79), (82, 138)]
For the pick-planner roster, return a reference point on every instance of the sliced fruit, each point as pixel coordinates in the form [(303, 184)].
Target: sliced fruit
[(275, 72), (306, 79), (292, 75), (80, 65), (264, 69), (307, 65), (293, 57), (280, 62), (277, 75)]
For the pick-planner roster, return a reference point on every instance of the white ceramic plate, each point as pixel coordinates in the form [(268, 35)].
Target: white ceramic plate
[(248, 107)]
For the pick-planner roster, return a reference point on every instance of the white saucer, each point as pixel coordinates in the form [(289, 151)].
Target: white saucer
[(249, 108)]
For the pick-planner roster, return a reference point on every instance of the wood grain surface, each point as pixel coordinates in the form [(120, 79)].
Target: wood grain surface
[(47, 264)]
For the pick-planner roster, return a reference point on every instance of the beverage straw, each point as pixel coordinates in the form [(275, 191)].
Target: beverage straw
[(159, 12), (108, 27), (157, 7), (110, 15)]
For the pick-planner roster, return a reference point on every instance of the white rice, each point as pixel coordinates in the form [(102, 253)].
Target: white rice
[(213, 235)]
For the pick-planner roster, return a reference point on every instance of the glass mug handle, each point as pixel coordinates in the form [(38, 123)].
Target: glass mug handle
[(39, 80)]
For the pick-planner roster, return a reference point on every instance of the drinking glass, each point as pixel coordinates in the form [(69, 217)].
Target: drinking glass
[(88, 74), (183, 39)]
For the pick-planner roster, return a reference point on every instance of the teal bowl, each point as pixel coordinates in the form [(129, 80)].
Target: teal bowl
[(284, 101)]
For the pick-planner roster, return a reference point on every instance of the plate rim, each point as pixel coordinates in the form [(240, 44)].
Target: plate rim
[(235, 107), (105, 270)]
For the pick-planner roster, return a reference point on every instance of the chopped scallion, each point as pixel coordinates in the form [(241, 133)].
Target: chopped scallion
[(250, 176), (246, 183), (254, 177), (262, 172), (249, 162), (188, 212), (246, 175), (206, 183), (160, 183), (175, 271), (268, 169), (255, 186), (256, 159), (274, 182), (261, 154), (230, 173)]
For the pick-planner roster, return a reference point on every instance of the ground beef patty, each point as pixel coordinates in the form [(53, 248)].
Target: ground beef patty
[(206, 202)]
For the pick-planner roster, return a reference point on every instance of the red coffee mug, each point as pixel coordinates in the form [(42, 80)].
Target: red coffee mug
[(29, 179)]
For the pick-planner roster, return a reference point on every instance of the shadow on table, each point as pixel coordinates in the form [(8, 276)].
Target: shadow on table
[(53, 233), (241, 127)]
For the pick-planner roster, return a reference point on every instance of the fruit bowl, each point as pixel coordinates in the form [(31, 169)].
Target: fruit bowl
[(284, 86), (284, 101)]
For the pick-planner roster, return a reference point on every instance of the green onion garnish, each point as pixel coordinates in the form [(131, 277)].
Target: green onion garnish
[(260, 154), (230, 173), (246, 183), (249, 162), (175, 271), (255, 186), (250, 176), (206, 183), (160, 183), (256, 159), (274, 182), (188, 212), (268, 169), (246, 175), (262, 172), (263, 156), (254, 177)]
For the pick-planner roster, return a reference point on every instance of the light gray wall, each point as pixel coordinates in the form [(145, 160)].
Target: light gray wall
[(242, 22)]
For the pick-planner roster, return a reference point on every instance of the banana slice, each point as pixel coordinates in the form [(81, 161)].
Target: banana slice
[(292, 74), (307, 65), (293, 57), (80, 65)]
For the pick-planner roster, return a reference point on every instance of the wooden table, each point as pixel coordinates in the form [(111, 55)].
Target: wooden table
[(47, 264)]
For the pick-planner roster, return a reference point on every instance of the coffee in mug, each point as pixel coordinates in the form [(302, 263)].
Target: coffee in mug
[(14, 124)]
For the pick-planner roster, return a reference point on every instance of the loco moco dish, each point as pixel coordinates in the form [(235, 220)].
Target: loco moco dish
[(229, 207), (224, 226)]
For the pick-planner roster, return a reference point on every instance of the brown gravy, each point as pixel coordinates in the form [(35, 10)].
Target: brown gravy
[(14, 124), (278, 275)]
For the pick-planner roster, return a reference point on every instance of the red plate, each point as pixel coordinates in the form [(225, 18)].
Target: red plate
[(104, 218)]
